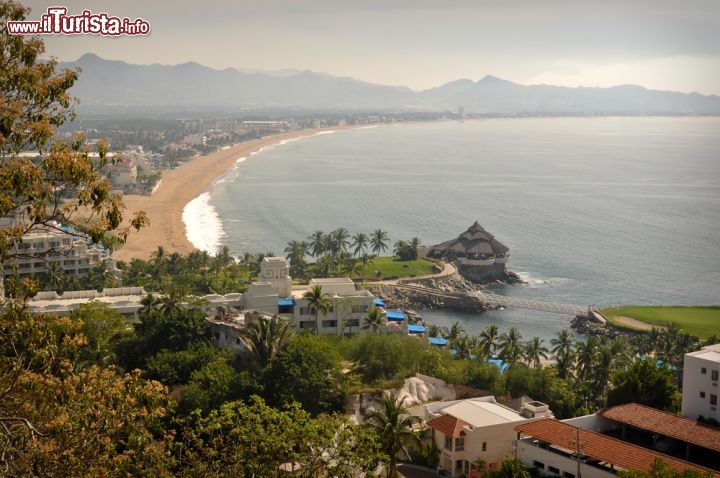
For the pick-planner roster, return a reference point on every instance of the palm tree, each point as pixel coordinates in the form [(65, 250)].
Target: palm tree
[(158, 260), (378, 241), (393, 425), (462, 346), (339, 240), (585, 357), (563, 347), (359, 243), (456, 331), (265, 338), (55, 276), (365, 259), (435, 330), (295, 253), (489, 340), (535, 350), (414, 245), (316, 243), (511, 350), (224, 257), (374, 320), (318, 301)]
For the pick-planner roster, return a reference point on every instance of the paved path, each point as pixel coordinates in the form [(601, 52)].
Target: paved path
[(636, 324)]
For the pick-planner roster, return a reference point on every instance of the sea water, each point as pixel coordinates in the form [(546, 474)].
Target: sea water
[(603, 211)]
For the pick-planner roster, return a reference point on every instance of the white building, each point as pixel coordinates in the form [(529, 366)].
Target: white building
[(477, 429), (348, 307), (71, 250), (598, 446), (701, 375)]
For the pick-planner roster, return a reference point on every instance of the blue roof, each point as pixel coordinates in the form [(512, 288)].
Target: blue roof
[(286, 302), (439, 341), (499, 364), (379, 303), (395, 315), (416, 329)]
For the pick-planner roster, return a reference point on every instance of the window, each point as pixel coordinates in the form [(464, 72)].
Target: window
[(713, 399), (703, 370), (714, 375), (568, 475), (702, 394), (552, 469), (448, 443), (460, 444), (484, 447), (539, 465)]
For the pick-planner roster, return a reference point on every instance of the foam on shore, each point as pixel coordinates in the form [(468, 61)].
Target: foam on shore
[(203, 227)]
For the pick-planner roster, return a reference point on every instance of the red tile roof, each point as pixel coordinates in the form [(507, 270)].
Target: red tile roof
[(448, 425), (600, 447), (667, 424)]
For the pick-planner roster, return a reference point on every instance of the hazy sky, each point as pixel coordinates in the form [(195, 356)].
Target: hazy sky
[(660, 44)]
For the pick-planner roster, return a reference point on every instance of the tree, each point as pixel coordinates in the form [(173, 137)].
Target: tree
[(646, 382), (359, 243), (100, 325), (308, 372), (374, 320), (510, 468), (316, 244), (318, 301), (661, 469), (265, 338), (295, 253), (511, 350), (378, 241), (414, 247), (534, 351), (365, 259), (253, 439), (65, 182), (563, 351), (393, 425), (489, 340)]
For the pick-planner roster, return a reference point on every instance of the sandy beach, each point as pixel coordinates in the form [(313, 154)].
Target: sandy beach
[(178, 187)]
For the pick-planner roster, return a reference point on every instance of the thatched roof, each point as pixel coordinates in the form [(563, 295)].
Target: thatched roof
[(474, 241)]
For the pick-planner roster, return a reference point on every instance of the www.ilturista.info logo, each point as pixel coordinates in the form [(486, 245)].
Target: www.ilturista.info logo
[(57, 22)]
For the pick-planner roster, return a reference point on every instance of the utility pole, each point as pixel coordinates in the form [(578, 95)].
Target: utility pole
[(578, 445)]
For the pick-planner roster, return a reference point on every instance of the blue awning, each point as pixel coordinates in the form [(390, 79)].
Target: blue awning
[(379, 303), (395, 315), (416, 329), (499, 364), (286, 302), (439, 341)]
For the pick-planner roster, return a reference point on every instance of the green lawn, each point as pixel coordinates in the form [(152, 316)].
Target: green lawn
[(392, 267), (699, 321)]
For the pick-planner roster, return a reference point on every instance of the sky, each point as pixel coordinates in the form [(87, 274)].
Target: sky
[(660, 44)]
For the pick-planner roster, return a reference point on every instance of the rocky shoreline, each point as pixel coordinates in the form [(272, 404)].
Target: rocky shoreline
[(449, 292), (429, 294)]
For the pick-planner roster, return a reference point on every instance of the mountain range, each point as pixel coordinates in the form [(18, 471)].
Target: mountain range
[(112, 85)]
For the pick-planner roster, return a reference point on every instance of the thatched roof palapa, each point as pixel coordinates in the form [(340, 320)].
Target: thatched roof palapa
[(476, 241)]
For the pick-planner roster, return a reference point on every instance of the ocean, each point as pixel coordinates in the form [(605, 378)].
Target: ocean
[(603, 211)]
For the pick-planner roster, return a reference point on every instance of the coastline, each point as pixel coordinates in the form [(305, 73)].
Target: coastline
[(182, 185)]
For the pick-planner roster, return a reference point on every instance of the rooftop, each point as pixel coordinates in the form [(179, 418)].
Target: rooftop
[(710, 352), (667, 424), (596, 446)]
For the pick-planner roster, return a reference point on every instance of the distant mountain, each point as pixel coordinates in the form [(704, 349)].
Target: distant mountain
[(105, 84)]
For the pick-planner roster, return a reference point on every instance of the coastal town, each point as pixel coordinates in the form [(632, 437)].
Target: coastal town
[(448, 325)]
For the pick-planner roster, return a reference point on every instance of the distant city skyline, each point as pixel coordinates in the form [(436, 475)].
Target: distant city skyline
[(658, 44)]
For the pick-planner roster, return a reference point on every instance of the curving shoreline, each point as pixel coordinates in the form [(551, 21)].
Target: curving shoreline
[(181, 185)]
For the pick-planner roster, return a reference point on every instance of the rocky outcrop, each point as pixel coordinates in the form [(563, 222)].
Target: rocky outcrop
[(441, 293)]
